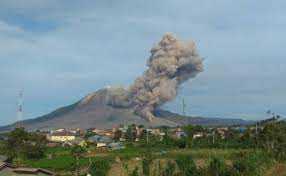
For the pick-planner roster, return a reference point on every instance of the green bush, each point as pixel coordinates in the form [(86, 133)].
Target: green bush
[(251, 164), (217, 167), (135, 172), (146, 166), (100, 167), (187, 166), (170, 169)]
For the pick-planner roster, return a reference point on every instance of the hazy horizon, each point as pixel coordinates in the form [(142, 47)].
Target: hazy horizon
[(60, 51)]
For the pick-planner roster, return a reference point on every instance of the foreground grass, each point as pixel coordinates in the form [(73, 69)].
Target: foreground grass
[(207, 153), (62, 160)]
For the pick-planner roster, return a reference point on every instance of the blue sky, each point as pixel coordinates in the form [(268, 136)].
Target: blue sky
[(59, 51)]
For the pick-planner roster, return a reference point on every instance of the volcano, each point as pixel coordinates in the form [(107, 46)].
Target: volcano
[(94, 111)]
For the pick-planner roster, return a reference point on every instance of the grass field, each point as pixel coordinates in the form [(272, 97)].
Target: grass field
[(62, 162)]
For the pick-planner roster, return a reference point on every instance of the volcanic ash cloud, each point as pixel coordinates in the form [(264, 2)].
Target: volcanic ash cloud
[(171, 63)]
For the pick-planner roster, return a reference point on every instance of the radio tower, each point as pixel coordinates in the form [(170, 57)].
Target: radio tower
[(20, 110), (184, 107)]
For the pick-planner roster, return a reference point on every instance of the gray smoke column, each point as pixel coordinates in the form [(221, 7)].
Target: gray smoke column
[(171, 63)]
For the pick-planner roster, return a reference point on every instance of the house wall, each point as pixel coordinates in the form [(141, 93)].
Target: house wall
[(61, 138)]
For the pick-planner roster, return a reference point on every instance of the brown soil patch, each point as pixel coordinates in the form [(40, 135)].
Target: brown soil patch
[(277, 170)]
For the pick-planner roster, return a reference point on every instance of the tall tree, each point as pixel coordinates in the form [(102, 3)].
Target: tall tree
[(21, 144)]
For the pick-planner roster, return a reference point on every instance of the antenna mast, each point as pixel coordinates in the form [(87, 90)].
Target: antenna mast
[(20, 110), (184, 107)]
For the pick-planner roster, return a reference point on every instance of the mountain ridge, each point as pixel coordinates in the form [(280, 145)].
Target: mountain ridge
[(94, 111)]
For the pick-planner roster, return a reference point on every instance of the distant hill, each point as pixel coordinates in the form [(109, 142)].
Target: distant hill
[(93, 111), (204, 121)]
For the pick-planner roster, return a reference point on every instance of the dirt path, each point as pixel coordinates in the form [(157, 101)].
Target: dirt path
[(277, 170), (116, 170)]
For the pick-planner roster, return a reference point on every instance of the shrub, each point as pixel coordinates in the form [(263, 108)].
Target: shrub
[(135, 172), (187, 166), (170, 169), (251, 164), (100, 167), (146, 163), (217, 167)]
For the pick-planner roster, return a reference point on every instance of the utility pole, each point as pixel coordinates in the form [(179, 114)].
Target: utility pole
[(147, 135), (213, 137)]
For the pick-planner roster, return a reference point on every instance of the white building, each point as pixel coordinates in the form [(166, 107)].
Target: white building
[(62, 136)]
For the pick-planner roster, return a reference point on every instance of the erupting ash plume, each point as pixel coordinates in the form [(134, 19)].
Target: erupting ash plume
[(171, 63)]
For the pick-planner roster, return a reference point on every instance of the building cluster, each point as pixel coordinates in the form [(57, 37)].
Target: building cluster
[(102, 139), (106, 138), (114, 138)]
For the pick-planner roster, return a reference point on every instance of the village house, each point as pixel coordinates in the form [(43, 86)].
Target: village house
[(222, 132), (115, 146), (156, 132), (62, 136), (7, 169), (107, 132), (198, 135), (179, 133), (100, 141)]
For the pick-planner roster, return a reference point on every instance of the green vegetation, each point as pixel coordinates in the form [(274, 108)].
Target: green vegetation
[(77, 152), (135, 172), (100, 167), (251, 164), (23, 145), (146, 164), (187, 166), (170, 169), (250, 152)]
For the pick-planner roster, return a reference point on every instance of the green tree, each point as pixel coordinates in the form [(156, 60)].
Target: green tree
[(273, 139), (21, 144), (15, 142), (131, 133), (190, 130), (36, 146), (248, 138), (251, 164)]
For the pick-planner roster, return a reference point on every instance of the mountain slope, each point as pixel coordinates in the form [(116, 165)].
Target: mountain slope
[(94, 111)]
